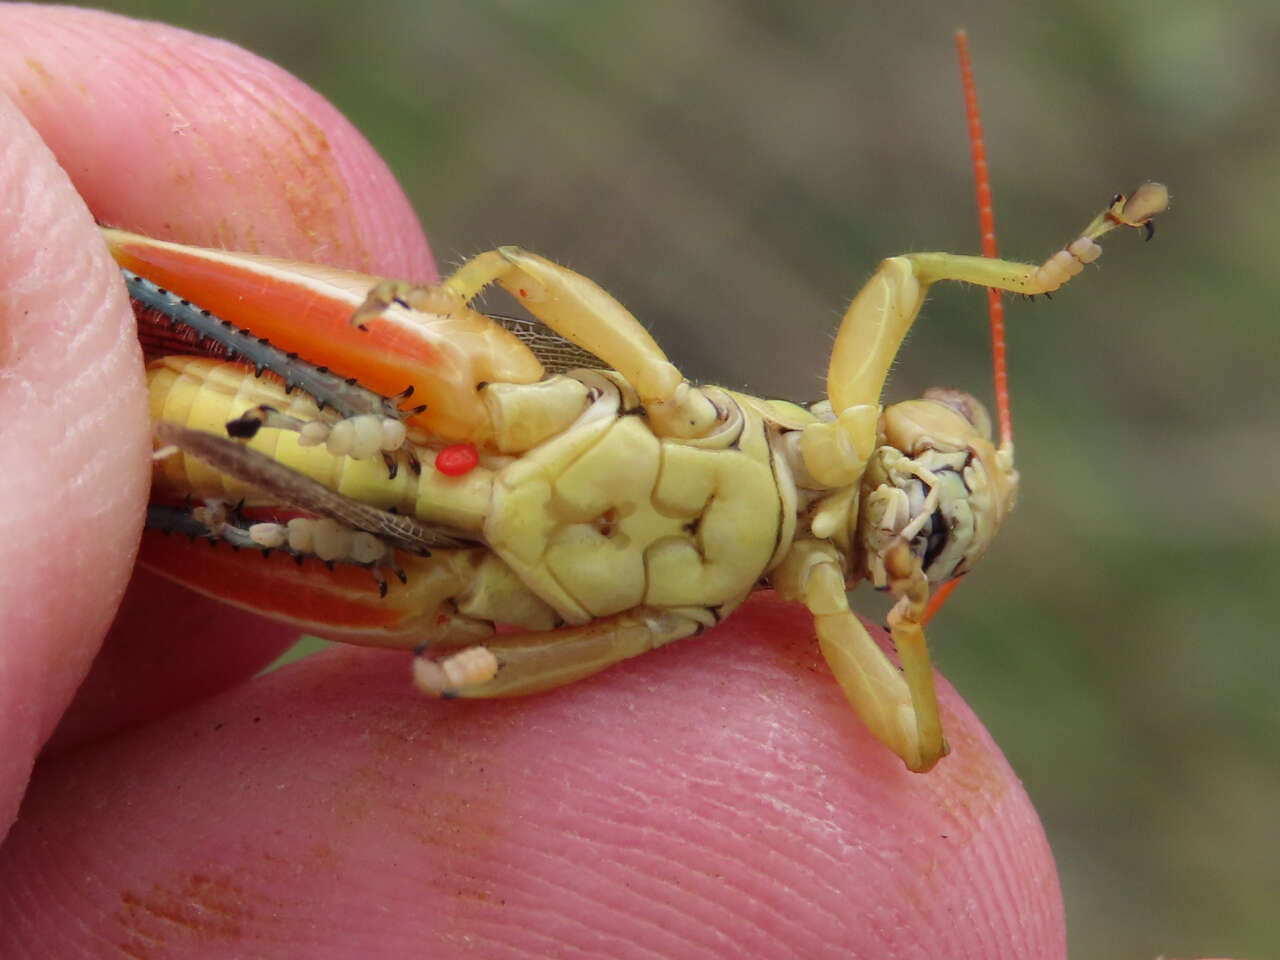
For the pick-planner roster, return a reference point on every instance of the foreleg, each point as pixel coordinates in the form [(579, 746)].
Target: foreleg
[(900, 708)]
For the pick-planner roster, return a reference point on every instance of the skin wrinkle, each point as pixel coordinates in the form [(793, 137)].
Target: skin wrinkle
[(194, 902), (288, 145), (728, 869), (989, 903), (63, 905), (41, 344), (665, 878), (190, 904), (656, 900), (587, 895), (313, 189), (729, 906), (540, 889), (774, 847), (200, 73), (924, 897)]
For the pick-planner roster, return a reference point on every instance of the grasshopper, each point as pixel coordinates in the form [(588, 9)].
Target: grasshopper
[(560, 476)]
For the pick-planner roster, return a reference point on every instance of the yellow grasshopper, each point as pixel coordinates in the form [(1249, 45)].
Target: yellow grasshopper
[(561, 476)]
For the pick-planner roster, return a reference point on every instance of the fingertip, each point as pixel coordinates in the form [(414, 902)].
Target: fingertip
[(189, 138), (714, 798), (194, 139)]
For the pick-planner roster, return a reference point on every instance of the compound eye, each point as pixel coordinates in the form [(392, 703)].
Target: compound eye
[(965, 404)]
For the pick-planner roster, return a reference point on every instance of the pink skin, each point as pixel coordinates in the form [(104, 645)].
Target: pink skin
[(715, 798)]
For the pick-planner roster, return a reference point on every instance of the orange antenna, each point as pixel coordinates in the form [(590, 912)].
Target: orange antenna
[(987, 224), (995, 306), (937, 599)]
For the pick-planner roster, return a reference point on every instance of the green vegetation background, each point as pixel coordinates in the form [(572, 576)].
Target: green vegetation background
[(733, 171)]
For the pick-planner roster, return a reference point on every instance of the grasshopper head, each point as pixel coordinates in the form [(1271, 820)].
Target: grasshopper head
[(937, 480)]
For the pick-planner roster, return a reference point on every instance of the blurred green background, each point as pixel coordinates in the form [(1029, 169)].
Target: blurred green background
[(733, 172)]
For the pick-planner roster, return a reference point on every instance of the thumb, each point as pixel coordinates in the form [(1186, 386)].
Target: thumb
[(74, 445)]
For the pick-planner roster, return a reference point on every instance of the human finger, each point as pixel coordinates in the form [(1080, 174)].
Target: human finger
[(715, 798)]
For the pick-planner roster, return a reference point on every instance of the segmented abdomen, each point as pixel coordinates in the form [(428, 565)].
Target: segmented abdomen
[(205, 394)]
